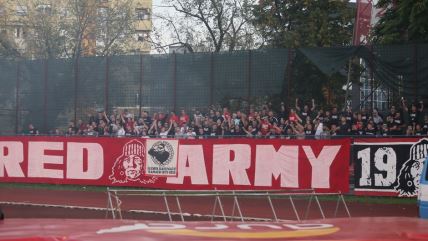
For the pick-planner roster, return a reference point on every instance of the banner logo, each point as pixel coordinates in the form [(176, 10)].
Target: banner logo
[(161, 153), (162, 158), (410, 173), (255, 231), (129, 167)]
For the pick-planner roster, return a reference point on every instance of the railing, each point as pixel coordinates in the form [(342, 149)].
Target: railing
[(115, 201)]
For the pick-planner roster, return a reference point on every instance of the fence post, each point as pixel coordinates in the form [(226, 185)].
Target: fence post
[(211, 78), (45, 98), (175, 82), (289, 74), (17, 102), (76, 80), (249, 73), (140, 99), (415, 70), (106, 85), (371, 77)]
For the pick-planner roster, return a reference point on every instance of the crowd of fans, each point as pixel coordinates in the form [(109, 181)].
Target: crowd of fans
[(300, 121)]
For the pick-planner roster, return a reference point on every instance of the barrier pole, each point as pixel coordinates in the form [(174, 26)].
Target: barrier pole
[(214, 208), (272, 207), (319, 206), (118, 202), (179, 208), (345, 205), (308, 207), (337, 206), (221, 207), (167, 207), (237, 206), (110, 205), (232, 215), (294, 208)]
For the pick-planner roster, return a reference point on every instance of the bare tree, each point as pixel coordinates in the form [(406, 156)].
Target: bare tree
[(8, 47), (44, 31), (114, 29), (212, 25), (72, 28)]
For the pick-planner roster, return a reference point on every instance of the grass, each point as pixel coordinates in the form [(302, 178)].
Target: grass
[(348, 198)]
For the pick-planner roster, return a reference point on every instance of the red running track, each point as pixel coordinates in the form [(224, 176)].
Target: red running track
[(31, 203), (355, 229)]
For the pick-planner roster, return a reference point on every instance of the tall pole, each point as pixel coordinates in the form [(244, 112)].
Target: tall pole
[(415, 70), (140, 99), (174, 79), (348, 81), (45, 91), (76, 85), (211, 78), (249, 73), (289, 74), (17, 101), (371, 64), (106, 85)]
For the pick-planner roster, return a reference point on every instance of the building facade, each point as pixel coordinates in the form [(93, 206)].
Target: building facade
[(62, 27)]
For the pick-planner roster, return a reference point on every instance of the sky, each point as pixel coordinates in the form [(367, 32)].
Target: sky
[(159, 8)]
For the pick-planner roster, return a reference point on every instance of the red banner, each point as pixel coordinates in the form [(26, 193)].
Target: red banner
[(363, 22), (178, 164)]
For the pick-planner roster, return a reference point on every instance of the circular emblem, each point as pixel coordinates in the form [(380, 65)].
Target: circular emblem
[(161, 153)]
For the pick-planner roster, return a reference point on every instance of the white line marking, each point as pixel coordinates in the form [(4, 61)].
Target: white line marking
[(374, 190), (133, 211)]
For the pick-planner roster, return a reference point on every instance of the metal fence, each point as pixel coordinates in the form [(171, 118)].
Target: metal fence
[(50, 93)]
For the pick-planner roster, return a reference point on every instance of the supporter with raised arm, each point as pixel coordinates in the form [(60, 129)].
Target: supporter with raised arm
[(251, 131), (306, 111), (406, 113), (164, 132), (294, 117)]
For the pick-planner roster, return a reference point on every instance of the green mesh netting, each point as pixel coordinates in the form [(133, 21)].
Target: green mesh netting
[(48, 98), (8, 106)]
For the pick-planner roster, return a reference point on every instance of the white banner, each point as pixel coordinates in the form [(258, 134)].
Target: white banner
[(161, 157)]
